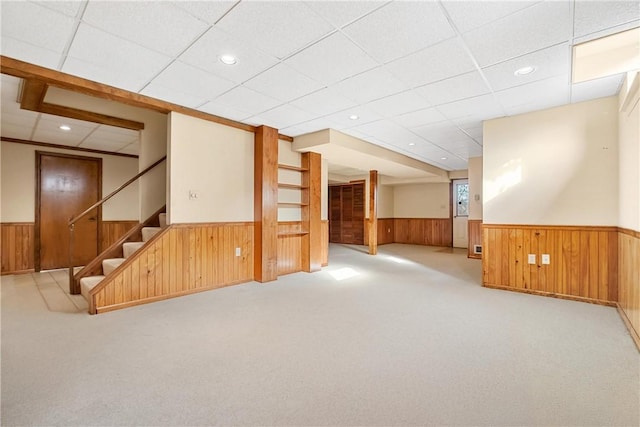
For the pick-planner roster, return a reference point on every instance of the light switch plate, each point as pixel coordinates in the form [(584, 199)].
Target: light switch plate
[(546, 259), (238, 252), (532, 258)]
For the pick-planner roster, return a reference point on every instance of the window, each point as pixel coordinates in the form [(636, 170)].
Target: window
[(462, 199)]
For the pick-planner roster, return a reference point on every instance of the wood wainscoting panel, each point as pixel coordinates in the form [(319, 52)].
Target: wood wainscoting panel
[(112, 231), (386, 227), (324, 242), (290, 236), (583, 260), (180, 260), (629, 281), (423, 231), (475, 237), (17, 247)]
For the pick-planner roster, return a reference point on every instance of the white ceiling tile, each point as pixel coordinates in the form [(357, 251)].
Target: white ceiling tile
[(343, 118), (467, 15), (156, 90), (36, 25), (398, 104), (51, 122), (22, 118), (205, 54), (49, 132), (192, 81), (102, 57), (103, 145), (293, 131), (69, 8), (370, 85), (594, 16), (389, 132), (244, 99), (281, 117), (320, 60), (340, 13), (542, 25), (400, 28), (420, 118), (453, 89), (323, 102), (224, 111), (315, 125), (534, 92), (278, 28), (11, 130), (421, 68), (481, 107), (17, 49), (598, 88), (443, 134), (156, 25), (284, 83), (208, 11), (607, 32), (130, 149), (548, 62)]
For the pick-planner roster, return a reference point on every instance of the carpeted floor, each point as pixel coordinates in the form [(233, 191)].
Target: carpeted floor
[(405, 338)]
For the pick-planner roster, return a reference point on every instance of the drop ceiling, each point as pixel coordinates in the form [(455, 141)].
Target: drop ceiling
[(420, 76)]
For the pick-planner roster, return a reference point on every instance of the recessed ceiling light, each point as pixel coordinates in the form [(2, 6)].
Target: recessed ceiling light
[(228, 59), (412, 143), (443, 158), (524, 70), (354, 117), (64, 127)]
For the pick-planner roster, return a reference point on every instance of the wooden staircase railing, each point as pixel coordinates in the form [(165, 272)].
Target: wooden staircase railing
[(74, 285)]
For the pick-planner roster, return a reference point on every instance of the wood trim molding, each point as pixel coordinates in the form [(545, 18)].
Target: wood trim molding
[(66, 147), (627, 322), (25, 70), (629, 232), (552, 294), (373, 213), (265, 204), (611, 228)]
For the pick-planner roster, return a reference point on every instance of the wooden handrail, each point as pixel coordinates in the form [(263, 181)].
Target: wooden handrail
[(116, 191)]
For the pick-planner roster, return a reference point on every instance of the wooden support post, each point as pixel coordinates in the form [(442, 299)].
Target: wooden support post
[(265, 204), (373, 212), (311, 216)]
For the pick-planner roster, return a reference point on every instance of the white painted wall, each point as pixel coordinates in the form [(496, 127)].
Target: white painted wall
[(18, 176), (475, 188), (385, 201), (629, 157), (421, 201), (553, 167), (215, 162)]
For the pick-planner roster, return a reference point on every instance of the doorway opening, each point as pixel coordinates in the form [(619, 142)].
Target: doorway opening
[(460, 199)]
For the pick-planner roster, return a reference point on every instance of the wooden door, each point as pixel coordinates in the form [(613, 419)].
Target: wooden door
[(66, 186), (346, 207), (460, 198)]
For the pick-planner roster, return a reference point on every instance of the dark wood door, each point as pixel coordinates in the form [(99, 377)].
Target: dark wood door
[(67, 185), (346, 207)]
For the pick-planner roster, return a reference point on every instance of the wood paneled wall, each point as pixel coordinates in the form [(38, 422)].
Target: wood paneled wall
[(180, 260), (289, 247), (423, 231), (583, 265), (475, 237), (112, 231), (629, 281), (386, 227), (17, 247)]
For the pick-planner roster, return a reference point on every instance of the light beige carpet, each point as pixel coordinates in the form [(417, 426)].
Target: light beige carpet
[(408, 337)]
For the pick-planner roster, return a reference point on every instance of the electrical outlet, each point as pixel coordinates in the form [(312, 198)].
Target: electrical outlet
[(546, 259), (193, 195), (532, 258), (238, 252), (388, 230)]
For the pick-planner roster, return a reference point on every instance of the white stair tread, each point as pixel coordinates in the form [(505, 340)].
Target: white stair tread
[(163, 220), (149, 232), (88, 283), (130, 247), (108, 265)]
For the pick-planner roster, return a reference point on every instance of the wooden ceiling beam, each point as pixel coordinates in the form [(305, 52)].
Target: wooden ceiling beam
[(89, 116), (27, 71), (33, 93)]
